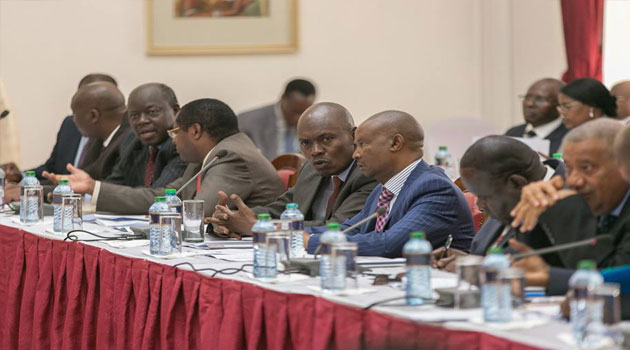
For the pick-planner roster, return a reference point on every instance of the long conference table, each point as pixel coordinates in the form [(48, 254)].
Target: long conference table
[(57, 294)]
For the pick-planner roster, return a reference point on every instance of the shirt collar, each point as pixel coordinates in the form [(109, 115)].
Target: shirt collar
[(396, 183), (549, 173), (617, 210), (110, 137), (343, 176), (544, 130)]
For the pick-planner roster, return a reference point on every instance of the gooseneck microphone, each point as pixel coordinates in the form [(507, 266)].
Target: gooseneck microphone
[(219, 155), (379, 212), (591, 241)]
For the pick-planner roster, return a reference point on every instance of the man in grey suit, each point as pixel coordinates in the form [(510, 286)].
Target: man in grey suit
[(203, 129), (329, 186), (273, 128)]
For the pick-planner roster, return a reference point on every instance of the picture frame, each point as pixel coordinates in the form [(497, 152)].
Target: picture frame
[(211, 27)]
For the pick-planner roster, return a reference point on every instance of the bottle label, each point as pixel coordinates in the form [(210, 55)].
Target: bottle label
[(296, 225), (177, 208), (418, 259), (57, 197), (154, 218), (325, 248), (490, 275), (259, 237)]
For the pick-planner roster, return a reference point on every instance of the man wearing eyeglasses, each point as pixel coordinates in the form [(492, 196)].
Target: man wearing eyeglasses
[(542, 120), (150, 158), (621, 91)]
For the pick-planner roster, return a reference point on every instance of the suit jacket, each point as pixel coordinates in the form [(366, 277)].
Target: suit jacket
[(260, 125), (614, 252), (555, 138), (101, 160), (539, 237), (349, 202), (429, 201), (64, 151), (243, 170), (131, 168)]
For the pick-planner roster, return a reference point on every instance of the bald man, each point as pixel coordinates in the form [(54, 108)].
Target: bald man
[(414, 195), (542, 120), (329, 186), (98, 113), (621, 91)]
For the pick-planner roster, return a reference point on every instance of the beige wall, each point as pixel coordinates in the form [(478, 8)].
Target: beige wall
[(433, 58)]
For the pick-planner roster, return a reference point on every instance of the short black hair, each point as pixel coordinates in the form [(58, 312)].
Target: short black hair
[(302, 86), (215, 117), (593, 93), (94, 77)]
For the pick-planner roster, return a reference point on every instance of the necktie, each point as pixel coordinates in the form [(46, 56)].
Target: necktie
[(198, 185), (531, 134), (606, 223), (384, 199), (289, 140), (83, 153), (333, 197), (150, 168)]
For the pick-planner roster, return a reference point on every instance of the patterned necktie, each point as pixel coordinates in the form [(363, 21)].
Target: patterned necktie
[(384, 199), (198, 185), (150, 168), (333, 197)]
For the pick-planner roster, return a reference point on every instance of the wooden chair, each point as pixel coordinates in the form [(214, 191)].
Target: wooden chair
[(288, 165)]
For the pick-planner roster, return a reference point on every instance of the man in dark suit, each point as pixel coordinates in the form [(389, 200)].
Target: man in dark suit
[(329, 186), (273, 128), (414, 195), (495, 169), (542, 120), (150, 158), (69, 146), (203, 129), (594, 180)]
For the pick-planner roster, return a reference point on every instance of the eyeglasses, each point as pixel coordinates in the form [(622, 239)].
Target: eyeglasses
[(567, 106), (173, 132), (537, 100)]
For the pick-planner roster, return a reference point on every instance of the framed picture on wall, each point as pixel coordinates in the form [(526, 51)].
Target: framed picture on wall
[(189, 27)]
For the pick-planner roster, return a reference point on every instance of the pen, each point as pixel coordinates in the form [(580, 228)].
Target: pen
[(447, 245)]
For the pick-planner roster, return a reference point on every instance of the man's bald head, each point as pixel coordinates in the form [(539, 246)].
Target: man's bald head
[(97, 77), (387, 142), (621, 91), (541, 100), (326, 135), (622, 151), (97, 107)]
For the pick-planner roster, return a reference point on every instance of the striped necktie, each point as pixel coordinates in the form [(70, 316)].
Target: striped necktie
[(384, 199)]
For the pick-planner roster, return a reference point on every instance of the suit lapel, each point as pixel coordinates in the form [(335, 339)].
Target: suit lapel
[(402, 197), (306, 194)]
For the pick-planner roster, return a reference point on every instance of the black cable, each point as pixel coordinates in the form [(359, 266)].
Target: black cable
[(226, 271), (74, 238), (425, 301)]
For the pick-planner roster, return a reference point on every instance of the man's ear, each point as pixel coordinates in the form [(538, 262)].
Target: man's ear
[(353, 132), (517, 181), (175, 109), (95, 115), (196, 131), (397, 142)]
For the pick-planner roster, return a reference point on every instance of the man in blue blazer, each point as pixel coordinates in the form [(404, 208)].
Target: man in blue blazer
[(416, 196)]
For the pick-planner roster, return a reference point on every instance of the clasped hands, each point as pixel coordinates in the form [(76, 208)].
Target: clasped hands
[(231, 223)]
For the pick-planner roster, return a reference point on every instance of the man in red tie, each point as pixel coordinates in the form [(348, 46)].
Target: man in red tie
[(329, 186), (150, 159)]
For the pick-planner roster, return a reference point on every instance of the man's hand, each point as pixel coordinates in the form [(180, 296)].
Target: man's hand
[(12, 172), (11, 193), (78, 179), (536, 197), (535, 268), (226, 220), (448, 263)]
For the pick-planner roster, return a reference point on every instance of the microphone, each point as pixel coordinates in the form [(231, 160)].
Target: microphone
[(4, 113), (591, 241), (219, 155), (380, 211)]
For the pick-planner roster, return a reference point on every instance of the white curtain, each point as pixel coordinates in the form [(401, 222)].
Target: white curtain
[(9, 138)]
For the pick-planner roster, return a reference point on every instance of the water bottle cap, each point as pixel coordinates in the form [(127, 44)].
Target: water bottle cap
[(333, 226), (170, 191), (495, 250), (292, 205), (557, 156), (29, 173), (417, 235), (443, 148), (587, 265), (160, 199), (63, 181), (264, 216)]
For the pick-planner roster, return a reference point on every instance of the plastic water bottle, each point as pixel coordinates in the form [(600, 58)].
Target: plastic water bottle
[(444, 160), (557, 156), (417, 252), (2, 176), (173, 202), (496, 299), (58, 192), (264, 255), (586, 310), (28, 211), (157, 238), (293, 221), (332, 271)]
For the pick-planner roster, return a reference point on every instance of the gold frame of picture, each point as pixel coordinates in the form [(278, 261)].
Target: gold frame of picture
[(155, 50)]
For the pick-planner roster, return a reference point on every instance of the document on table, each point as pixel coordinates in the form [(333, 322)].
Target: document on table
[(120, 221)]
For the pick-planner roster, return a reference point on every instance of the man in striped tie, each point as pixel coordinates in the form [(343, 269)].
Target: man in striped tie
[(413, 195)]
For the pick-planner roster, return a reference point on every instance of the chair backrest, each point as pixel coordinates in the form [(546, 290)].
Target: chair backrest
[(288, 165), (479, 217)]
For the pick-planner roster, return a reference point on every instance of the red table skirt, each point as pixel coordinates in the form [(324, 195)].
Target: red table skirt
[(59, 295)]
